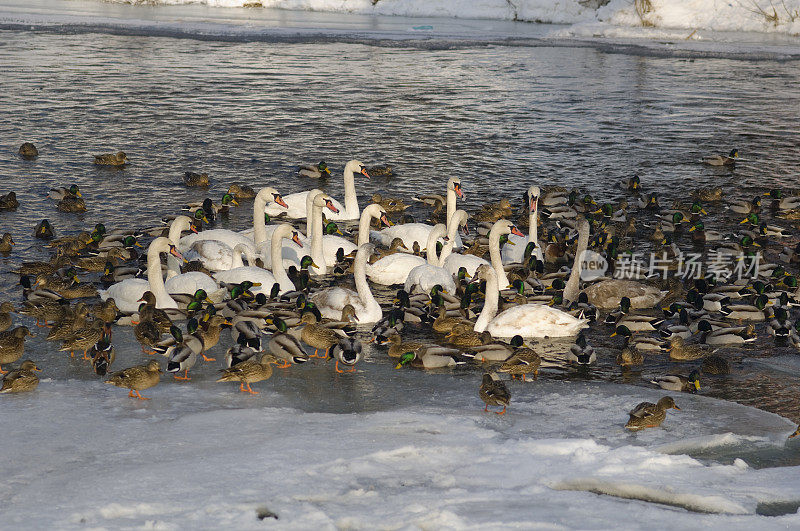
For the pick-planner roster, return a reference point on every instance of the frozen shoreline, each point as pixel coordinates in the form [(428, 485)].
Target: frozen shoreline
[(204, 22)]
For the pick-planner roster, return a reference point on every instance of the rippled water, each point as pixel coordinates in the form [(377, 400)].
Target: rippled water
[(500, 117)]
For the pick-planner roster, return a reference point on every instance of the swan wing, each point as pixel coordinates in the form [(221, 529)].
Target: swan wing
[(535, 320)]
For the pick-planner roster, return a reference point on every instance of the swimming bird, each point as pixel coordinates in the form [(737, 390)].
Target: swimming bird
[(111, 159), (315, 171), (722, 160), (28, 151)]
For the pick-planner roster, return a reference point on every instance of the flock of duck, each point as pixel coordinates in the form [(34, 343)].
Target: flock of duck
[(279, 287)]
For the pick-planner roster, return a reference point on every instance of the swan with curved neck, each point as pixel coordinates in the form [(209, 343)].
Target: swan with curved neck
[(332, 243), (471, 263), (516, 253), (526, 320), (331, 301), (257, 274), (418, 232), (218, 254), (571, 290), (127, 293), (425, 276), (178, 225), (297, 202)]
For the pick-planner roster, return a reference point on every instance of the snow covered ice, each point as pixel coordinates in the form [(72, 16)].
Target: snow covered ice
[(80, 454)]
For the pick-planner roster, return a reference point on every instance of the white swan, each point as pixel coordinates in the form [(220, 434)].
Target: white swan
[(217, 255), (471, 263), (127, 294), (184, 283), (330, 301), (426, 276), (297, 202), (331, 244), (526, 320), (178, 225), (259, 275), (514, 252), (394, 269), (418, 232), (571, 290)]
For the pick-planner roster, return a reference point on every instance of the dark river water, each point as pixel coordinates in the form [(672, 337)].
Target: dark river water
[(501, 117)]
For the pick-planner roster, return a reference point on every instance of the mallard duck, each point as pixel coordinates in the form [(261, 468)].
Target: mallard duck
[(250, 371), (77, 290), (398, 347), (713, 193), (348, 352), (680, 350), (464, 335), (102, 355), (649, 415), (396, 246), (715, 364), (608, 293), (137, 378), (84, 339), (701, 235), (8, 202), (6, 243), (106, 310), (746, 207), (494, 392), (285, 346), (495, 211), (146, 331), (21, 380), (314, 171), (62, 192), (747, 312), (432, 357), (71, 204), (45, 310), (676, 382), (241, 191), (523, 361), (111, 159), (722, 160), (581, 353), (380, 171), (629, 356), (643, 343), (6, 309), (317, 336), (44, 230), (72, 321), (191, 178), (28, 151), (390, 204)]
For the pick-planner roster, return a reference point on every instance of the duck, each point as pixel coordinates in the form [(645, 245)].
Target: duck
[(629, 356), (44, 230), (28, 151), (680, 350), (317, 336), (6, 309), (527, 320), (463, 336), (182, 356), (285, 346), (103, 355), (241, 191), (494, 211), (747, 312), (6, 243), (581, 352), (431, 357), (524, 361), (46, 310), (21, 380), (722, 160), (709, 194), (398, 347), (315, 171), (701, 235), (62, 192), (250, 371), (715, 364), (330, 301), (191, 178), (746, 207), (296, 202), (348, 352), (390, 204), (111, 159), (8, 202), (84, 339), (146, 331), (494, 392), (137, 378), (649, 415), (676, 382)]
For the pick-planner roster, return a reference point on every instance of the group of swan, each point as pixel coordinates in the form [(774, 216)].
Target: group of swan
[(221, 251)]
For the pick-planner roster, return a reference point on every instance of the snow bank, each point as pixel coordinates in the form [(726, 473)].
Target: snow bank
[(781, 16)]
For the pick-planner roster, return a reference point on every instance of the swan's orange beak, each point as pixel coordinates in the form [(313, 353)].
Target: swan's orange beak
[(364, 172), (385, 220), (331, 206), (534, 204), (516, 232), (279, 200), (174, 252), (296, 239), (193, 228), (458, 191)]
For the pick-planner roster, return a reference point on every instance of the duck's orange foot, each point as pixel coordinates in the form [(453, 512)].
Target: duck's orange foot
[(501, 412), (206, 358), (185, 377), (140, 397), (283, 364)]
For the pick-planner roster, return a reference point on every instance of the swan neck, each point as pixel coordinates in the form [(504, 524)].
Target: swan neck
[(154, 278), (533, 226), (451, 205), (259, 224), (571, 289), (362, 287), (350, 198), (316, 241), (490, 304), (496, 259), (178, 225), (276, 256), (363, 226)]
